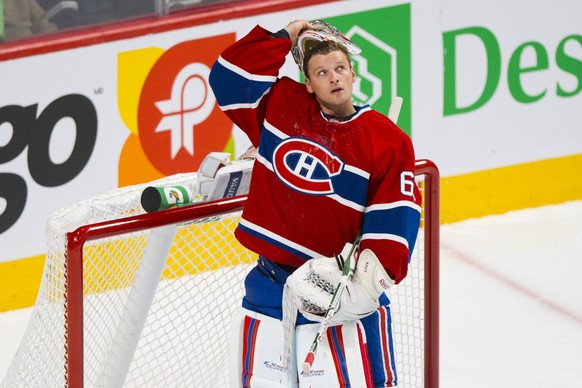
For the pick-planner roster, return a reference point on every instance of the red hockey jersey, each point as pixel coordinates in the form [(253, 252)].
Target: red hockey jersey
[(317, 181)]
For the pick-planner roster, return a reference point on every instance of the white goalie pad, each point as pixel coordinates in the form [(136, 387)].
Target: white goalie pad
[(341, 360), (256, 352), (256, 355)]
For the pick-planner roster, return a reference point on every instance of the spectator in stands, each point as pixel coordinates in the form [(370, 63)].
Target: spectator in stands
[(24, 18)]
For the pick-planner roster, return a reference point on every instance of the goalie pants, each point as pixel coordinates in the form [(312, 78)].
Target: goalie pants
[(264, 293)]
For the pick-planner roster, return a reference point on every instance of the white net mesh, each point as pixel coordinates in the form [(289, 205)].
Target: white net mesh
[(407, 305), (183, 339)]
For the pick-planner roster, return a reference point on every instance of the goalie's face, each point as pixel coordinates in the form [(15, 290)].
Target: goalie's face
[(330, 77)]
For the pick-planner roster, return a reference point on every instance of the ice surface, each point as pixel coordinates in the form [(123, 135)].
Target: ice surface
[(511, 301)]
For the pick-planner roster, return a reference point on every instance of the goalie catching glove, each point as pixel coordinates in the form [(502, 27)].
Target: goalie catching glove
[(311, 287)]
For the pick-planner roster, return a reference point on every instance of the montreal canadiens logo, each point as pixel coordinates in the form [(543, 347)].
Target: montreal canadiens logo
[(306, 166)]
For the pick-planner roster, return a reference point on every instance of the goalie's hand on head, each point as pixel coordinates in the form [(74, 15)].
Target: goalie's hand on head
[(313, 284), (295, 27)]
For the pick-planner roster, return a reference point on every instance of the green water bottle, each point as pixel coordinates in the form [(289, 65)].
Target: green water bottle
[(155, 198)]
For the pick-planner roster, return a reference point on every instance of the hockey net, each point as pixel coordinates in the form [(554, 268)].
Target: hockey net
[(110, 313)]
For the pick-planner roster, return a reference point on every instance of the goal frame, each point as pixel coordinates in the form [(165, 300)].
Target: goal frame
[(74, 349)]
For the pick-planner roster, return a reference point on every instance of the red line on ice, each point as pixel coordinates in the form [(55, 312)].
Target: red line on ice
[(513, 285)]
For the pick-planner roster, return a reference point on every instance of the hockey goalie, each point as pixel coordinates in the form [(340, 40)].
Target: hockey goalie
[(333, 213)]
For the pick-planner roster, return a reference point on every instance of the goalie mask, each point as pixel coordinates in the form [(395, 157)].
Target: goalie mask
[(320, 32)]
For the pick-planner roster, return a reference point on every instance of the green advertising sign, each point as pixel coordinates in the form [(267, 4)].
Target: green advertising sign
[(384, 66), (1, 20)]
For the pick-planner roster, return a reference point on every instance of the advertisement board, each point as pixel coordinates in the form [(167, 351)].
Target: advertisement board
[(487, 86)]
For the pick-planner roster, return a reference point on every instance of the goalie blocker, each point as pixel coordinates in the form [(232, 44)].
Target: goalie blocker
[(218, 177)]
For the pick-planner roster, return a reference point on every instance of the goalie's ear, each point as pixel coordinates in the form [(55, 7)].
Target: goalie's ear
[(308, 86)]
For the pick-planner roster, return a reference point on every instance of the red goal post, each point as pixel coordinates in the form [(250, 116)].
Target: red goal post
[(431, 206), (113, 319)]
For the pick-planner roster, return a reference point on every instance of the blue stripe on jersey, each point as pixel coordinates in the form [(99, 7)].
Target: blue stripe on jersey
[(348, 185), (272, 241), (269, 141), (400, 221), (231, 88)]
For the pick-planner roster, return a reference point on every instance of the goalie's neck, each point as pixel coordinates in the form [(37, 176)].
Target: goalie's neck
[(342, 119)]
